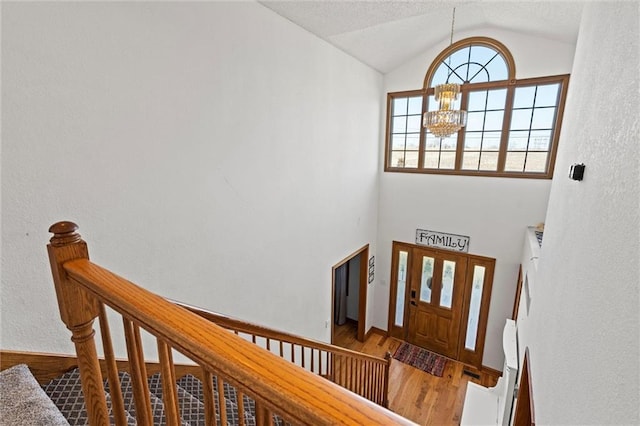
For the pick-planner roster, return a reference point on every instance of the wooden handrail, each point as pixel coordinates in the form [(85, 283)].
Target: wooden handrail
[(275, 384), (234, 324), (373, 371)]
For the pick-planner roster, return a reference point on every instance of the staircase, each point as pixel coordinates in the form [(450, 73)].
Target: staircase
[(66, 394), (274, 375)]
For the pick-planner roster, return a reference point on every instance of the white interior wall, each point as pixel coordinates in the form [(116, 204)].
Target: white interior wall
[(212, 152), (494, 212), (584, 317)]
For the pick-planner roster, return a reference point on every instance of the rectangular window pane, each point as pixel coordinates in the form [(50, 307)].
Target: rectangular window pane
[(497, 99), (398, 141), (402, 282), (524, 97), (536, 162), (493, 120), (521, 119), (474, 307), (470, 160), (477, 101), (543, 118), (413, 141), (547, 95), (397, 159), (425, 281), (473, 141), (475, 121), (400, 106), (431, 159), (518, 140), (447, 160), (415, 106), (413, 123), (432, 105), (539, 140), (515, 162), (491, 141), (432, 143), (489, 161), (400, 124), (411, 159), (448, 274)]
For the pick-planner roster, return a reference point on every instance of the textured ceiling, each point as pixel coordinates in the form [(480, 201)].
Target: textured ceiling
[(386, 34)]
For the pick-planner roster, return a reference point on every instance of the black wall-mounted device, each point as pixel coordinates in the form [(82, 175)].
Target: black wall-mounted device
[(576, 172)]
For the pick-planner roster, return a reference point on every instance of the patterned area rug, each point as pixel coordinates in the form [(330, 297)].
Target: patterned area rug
[(421, 359)]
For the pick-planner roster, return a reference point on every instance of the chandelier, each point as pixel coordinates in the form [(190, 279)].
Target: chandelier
[(446, 121)]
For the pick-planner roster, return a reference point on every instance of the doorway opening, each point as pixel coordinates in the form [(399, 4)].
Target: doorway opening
[(349, 292)]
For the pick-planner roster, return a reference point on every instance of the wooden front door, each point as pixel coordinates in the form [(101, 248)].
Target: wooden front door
[(437, 284)]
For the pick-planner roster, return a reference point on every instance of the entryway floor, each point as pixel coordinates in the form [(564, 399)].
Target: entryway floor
[(414, 394)]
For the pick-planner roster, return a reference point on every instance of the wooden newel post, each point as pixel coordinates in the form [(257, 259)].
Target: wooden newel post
[(78, 309)]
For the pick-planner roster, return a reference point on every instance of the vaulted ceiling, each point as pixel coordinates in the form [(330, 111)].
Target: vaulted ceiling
[(386, 34)]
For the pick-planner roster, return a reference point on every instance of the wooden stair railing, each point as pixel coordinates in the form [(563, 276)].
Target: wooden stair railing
[(277, 386), (365, 375)]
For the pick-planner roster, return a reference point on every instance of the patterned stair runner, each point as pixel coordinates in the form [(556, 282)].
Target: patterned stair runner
[(66, 392)]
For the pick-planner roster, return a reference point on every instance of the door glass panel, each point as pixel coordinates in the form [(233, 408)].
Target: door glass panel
[(474, 307), (402, 284), (425, 281), (448, 272)]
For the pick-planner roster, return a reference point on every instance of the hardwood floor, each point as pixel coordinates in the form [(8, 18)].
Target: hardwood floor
[(414, 394)]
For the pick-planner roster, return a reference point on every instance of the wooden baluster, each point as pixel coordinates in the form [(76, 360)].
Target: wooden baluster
[(302, 348), (365, 378), (356, 375), (362, 369), (385, 387), (138, 373), (240, 403), (313, 364), (263, 416), (209, 402), (221, 401), (369, 375), (117, 401), (369, 379), (268, 344), (169, 392), (376, 385), (352, 375), (293, 354), (78, 309), (281, 350), (381, 382)]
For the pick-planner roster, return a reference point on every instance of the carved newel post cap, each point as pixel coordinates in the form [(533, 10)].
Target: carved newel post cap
[(64, 233)]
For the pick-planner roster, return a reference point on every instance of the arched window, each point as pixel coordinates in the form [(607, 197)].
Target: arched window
[(513, 125)]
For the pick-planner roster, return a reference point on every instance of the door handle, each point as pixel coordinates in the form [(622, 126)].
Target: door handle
[(413, 294), (413, 302)]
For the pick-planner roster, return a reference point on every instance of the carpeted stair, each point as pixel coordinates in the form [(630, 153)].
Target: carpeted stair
[(66, 394)]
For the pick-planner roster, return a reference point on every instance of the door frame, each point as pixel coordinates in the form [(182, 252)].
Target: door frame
[(473, 358), (362, 294)]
